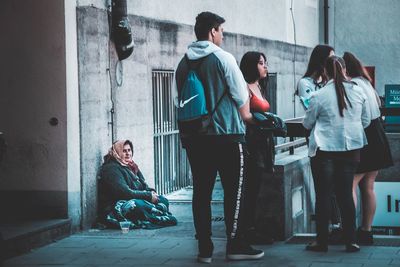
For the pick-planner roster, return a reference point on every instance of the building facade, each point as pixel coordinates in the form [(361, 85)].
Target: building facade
[(65, 97)]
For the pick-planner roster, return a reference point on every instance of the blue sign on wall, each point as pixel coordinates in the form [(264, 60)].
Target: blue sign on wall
[(392, 100)]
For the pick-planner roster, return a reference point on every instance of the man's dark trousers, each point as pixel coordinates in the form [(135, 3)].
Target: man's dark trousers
[(207, 156)]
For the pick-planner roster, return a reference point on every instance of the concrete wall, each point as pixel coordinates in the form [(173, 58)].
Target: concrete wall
[(159, 45), (73, 126), (269, 19), (286, 200), (33, 90), (369, 29)]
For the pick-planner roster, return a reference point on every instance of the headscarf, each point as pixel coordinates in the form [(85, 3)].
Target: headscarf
[(116, 153)]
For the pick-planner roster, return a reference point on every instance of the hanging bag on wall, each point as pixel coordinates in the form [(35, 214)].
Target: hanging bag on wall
[(121, 29)]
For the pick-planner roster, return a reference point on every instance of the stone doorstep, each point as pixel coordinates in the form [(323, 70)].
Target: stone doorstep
[(379, 240), (29, 235)]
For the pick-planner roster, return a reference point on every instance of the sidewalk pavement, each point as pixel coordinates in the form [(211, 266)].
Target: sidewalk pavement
[(176, 246)]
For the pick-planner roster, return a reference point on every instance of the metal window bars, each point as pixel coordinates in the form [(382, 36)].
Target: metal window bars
[(172, 169)]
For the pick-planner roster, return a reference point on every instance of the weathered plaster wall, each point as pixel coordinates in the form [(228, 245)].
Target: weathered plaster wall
[(369, 29), (268, 19), (159, 45)]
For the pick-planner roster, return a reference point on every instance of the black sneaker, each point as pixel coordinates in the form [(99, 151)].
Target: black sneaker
[(365, 237), (206, 248), (352, 248), (240, 250)]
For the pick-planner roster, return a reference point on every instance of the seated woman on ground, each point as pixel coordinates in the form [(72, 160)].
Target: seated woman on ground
[(125, 196)]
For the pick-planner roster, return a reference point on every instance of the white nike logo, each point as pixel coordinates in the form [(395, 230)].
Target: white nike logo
[(183, 103)]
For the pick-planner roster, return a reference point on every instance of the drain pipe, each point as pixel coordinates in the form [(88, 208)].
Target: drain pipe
[(294, 58), (326, 21), (3, 146)]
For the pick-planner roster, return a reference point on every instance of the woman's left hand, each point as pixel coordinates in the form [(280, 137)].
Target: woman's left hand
[(154, 197)]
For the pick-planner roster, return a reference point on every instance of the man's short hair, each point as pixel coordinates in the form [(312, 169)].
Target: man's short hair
[(205, 21)]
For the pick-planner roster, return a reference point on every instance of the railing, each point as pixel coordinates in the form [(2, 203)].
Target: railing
[(291, 145), (296, 129)]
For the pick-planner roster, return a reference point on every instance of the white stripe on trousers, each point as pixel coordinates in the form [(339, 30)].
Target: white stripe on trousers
[(239, 193)]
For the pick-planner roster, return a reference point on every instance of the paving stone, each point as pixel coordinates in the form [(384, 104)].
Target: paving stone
[(176, 246), (96, 260), (324, 264), (141, 261), (43, 257), (379, 262)]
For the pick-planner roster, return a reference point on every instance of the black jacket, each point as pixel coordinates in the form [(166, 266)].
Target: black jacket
[(118, 182), (261, 148)]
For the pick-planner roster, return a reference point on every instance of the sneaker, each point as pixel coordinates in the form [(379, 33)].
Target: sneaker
[(206, 248), (365, 237), (240, 250), (352, 248)]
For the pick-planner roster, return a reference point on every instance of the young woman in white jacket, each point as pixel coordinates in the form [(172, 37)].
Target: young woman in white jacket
[(374, 156), (337, 116)]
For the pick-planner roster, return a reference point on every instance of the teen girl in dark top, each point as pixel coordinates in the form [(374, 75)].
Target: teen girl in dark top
[(260, 145)]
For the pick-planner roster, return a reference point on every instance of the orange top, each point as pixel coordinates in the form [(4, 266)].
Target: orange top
[(258, 104)]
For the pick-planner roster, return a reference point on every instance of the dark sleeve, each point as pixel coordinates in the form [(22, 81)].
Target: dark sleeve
[(114, 183), (142, 180)]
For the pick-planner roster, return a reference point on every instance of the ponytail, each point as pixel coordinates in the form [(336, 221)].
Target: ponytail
[(334, 68)]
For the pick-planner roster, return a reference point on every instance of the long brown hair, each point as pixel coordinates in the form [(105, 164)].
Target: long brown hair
[(317, 59), (354, 67), (334, 67)]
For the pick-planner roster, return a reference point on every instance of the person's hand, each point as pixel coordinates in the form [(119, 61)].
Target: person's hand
[(154, 197)]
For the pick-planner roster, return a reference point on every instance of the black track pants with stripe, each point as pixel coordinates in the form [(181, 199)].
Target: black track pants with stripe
[(207, 158)]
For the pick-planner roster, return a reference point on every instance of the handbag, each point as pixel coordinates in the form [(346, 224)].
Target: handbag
[(267, 121)]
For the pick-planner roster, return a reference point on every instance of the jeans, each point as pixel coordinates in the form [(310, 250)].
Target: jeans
[(207, 157), (335, 216), (334, 175)]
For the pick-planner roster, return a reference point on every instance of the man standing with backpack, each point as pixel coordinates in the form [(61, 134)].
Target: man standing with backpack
[(214, 142)]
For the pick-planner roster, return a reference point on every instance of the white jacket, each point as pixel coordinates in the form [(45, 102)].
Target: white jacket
[(330, 131), (372, 96)]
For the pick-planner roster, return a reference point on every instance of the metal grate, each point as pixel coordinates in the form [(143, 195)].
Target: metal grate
[(172, 170), (218, 218)]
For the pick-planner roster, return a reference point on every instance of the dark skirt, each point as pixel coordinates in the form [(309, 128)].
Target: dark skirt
[(376, 155)]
